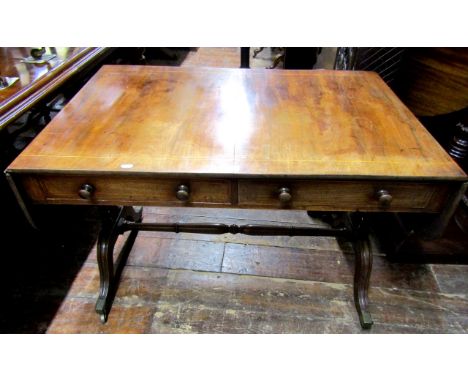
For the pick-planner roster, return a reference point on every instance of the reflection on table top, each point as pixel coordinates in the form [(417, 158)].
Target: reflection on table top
[(12, 66), (38, 81)]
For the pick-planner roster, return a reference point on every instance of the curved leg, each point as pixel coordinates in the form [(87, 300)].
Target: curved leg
[(276, 61), (363, 268), (257, 51), (357, 224), (109, 271), (105, 252)]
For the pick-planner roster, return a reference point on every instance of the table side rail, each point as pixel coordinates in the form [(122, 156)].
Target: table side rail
[(313, 194)]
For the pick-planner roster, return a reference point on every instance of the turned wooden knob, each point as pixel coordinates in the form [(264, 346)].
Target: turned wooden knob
[(86, 191), (183, 193), (384, 198), (284, 195)]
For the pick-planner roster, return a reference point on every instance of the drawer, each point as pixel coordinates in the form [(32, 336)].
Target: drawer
[(120, 190), (325, 195)]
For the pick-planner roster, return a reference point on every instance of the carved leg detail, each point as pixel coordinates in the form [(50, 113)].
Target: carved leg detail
[(257, 51), (276, 61), (109, 271), (362, 275)]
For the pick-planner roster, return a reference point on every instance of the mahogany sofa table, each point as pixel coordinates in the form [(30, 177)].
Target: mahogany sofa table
[(237, 138)]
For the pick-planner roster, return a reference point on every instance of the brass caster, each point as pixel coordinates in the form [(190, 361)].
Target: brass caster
[(103, 317), (366, 320)]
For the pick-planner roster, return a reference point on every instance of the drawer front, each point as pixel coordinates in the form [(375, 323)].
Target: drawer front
[(314, 195), (350, 195), (127, 190)]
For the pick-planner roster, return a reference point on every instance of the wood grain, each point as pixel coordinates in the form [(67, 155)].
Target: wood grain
[(197, 302), (237, 122), (322, 265), (343, 195), (435, 80), (78, 316), (317, 195), (184, 254), (129, 190)]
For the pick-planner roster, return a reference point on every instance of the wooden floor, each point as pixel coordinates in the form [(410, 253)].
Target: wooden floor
[(227, 58), (188, 283)]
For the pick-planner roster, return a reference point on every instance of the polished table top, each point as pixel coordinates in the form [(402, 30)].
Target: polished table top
[(237, 122)]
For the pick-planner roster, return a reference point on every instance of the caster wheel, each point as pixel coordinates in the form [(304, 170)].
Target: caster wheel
[(103, 318)]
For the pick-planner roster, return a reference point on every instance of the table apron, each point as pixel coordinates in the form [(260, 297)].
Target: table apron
[(305, 194)]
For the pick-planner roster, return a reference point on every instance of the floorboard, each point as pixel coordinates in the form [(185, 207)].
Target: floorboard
[(183, 285)]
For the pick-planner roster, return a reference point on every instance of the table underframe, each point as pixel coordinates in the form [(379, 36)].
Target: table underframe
[(117, 220)]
